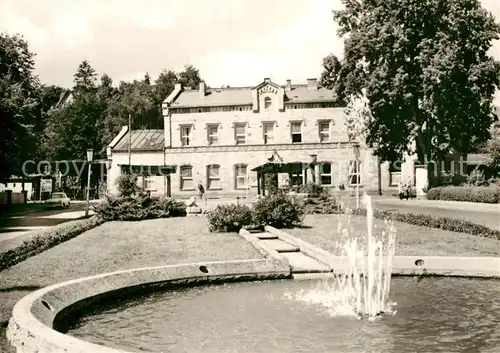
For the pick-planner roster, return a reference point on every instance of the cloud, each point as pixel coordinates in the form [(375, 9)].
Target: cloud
[(231, 42)]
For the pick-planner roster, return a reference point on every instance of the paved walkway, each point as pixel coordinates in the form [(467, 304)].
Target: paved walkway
[(485, 214)]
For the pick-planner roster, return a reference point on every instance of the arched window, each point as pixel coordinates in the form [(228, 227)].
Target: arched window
[(268, 102)]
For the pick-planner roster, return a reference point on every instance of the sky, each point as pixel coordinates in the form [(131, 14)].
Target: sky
[(231, 42)]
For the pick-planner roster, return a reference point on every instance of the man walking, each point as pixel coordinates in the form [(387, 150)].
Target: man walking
[(201, 190)]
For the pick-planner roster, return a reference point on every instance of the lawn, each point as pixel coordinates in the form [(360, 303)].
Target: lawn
[(117, 246), (322, 231)]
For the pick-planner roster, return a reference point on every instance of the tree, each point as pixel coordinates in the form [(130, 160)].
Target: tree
[(18, 101), (330, 77), (85, 77), (190, 77), (426, 72)]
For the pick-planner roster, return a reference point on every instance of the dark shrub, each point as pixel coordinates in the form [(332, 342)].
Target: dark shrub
[(279, 211), (480, 194), (314, 190), (229, 218), (319, 200), (127, 185), (139, 207)]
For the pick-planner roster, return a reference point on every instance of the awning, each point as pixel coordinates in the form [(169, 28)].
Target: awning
[(291, 167), (148, 169)]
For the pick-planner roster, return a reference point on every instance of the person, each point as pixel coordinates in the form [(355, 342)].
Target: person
[(201, 190)]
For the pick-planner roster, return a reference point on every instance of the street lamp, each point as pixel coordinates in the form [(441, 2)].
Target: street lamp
[(90, 155), (356, 153)]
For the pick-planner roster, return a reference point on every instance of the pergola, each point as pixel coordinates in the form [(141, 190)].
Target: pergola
[(290, 168)]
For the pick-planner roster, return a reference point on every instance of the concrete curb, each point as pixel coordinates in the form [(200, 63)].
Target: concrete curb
[(30, 328), (481, 267)]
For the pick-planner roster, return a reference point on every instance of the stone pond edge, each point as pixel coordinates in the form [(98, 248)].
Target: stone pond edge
[(30, 326)]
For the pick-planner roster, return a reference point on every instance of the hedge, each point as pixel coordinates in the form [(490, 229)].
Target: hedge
[(47, 239), (139, 207), (444, 223), (479, 194)]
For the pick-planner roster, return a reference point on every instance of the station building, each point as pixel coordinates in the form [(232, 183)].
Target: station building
[(227, 138)]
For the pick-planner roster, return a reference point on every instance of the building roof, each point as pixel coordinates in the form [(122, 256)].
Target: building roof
[(243, 96), (142, 140)]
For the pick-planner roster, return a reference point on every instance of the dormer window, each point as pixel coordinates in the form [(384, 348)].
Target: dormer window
[(268, 103)]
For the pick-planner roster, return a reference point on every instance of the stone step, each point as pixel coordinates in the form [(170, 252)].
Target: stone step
[(266, 236), (279, 245), (302, 263)]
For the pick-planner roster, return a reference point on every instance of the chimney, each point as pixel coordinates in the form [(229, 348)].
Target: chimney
[(267, 80), (288, 85), (202, 88), (312, 84)]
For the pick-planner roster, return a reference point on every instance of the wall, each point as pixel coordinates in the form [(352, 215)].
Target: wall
[(17, 188), (137, 158), (254, 125)]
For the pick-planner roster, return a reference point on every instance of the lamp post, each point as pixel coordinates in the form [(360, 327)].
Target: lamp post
[(90, 155), (356, 153)]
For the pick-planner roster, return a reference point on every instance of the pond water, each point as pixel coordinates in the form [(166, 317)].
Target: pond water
[(432, 315)]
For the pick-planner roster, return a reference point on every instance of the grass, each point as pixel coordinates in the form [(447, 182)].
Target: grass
[(117, 246), (322, 231)]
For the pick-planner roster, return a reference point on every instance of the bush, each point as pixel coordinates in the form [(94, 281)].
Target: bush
[(319, 200), (444, 223), (47, 239), (480, 194), (314, 190), (139, 207), (476, 178), (229, 218), (279, 211), (127, 185)]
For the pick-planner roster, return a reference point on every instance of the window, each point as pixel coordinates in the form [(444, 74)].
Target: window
[(268, 102), (186, 132), (187, 178), (324, 131), (354, 173), (394, 173), (213, 177), (241, 176), (148, 182), (213, 134), (240, 134), (326, 174), (296, 132), (296, 179), (268, 133)]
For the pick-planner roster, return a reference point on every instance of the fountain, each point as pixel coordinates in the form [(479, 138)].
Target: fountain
[(363, 288)]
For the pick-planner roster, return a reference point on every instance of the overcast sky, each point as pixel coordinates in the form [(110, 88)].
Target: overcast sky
[(231, 42)]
